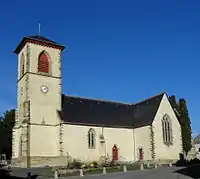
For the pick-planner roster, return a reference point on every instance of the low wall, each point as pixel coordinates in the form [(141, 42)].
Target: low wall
[(40, 161)]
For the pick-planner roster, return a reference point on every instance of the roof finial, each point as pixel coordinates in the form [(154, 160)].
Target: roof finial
[(39, 28)]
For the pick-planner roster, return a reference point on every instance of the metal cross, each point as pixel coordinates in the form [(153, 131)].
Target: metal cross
[(39, 28)]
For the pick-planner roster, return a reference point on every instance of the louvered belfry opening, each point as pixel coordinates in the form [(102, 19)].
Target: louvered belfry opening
[(43, 63)]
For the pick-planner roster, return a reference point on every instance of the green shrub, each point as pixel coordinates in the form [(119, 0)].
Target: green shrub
[(93, 164), (75, 164)]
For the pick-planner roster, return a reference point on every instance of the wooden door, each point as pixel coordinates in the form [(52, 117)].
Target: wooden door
[(140, 154), (115, 153)]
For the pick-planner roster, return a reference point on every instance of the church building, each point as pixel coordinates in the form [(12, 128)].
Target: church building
[(52, 128)]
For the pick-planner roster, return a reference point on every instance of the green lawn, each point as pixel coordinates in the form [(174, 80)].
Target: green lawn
[(90, 171)]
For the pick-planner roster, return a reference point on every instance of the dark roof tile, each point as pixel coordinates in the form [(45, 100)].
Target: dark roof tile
[(77, 110), (144, 112), (42, 39), (38, 39)]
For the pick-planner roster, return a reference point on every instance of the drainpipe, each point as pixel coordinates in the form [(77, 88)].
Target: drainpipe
[(102, 132), (134, 144), (28, 144), (28, 137)]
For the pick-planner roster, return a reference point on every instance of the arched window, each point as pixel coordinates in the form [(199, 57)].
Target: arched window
[(22, 65), (91, 138), (167, 130), (43, 63)]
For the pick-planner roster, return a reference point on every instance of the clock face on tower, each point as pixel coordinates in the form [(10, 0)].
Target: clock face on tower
[(44, 88)]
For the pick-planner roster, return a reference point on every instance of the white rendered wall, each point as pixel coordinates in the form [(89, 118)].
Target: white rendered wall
[(142, 140), (163, 151), (76, 143)]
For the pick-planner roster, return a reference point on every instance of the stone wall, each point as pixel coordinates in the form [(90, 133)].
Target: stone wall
[(40, 161)]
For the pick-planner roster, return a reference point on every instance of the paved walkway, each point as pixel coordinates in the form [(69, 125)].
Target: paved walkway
[(160, 173)]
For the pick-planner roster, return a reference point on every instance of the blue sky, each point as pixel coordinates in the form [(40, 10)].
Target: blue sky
[(117, 50)]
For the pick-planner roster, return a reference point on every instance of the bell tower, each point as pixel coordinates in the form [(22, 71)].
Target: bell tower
[(37, 125)]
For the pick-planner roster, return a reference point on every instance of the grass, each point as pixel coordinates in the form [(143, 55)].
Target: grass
[(48, 173), (113, 169), (93, 171), (100, 170)]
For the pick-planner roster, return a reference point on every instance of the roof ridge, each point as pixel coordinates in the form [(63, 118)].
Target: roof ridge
[(102, 100), (151, 97), (42, 38)]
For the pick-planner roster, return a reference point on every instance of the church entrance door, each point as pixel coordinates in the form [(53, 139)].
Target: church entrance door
[(140, 154)]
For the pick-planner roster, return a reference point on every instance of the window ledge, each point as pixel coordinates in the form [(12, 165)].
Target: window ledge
[(102, 141), (45, 74), (168, 143)]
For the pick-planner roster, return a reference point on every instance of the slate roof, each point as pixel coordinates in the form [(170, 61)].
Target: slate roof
[(196, 140), (37, 38), (43, 39), (84, 111)]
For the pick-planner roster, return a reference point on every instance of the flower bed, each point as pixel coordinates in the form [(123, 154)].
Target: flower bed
[(98, 170)]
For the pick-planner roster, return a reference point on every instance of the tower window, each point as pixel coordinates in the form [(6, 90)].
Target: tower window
[(43, 63), (22, 65)]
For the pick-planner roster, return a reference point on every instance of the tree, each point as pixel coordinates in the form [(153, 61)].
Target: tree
[(185, 126), (175, 106), (6, 124), (182, 115)]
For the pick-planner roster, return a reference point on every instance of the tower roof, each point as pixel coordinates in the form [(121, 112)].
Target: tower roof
[(38, 40)]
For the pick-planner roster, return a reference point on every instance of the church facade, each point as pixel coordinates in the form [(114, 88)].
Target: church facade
[(53, 129)]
